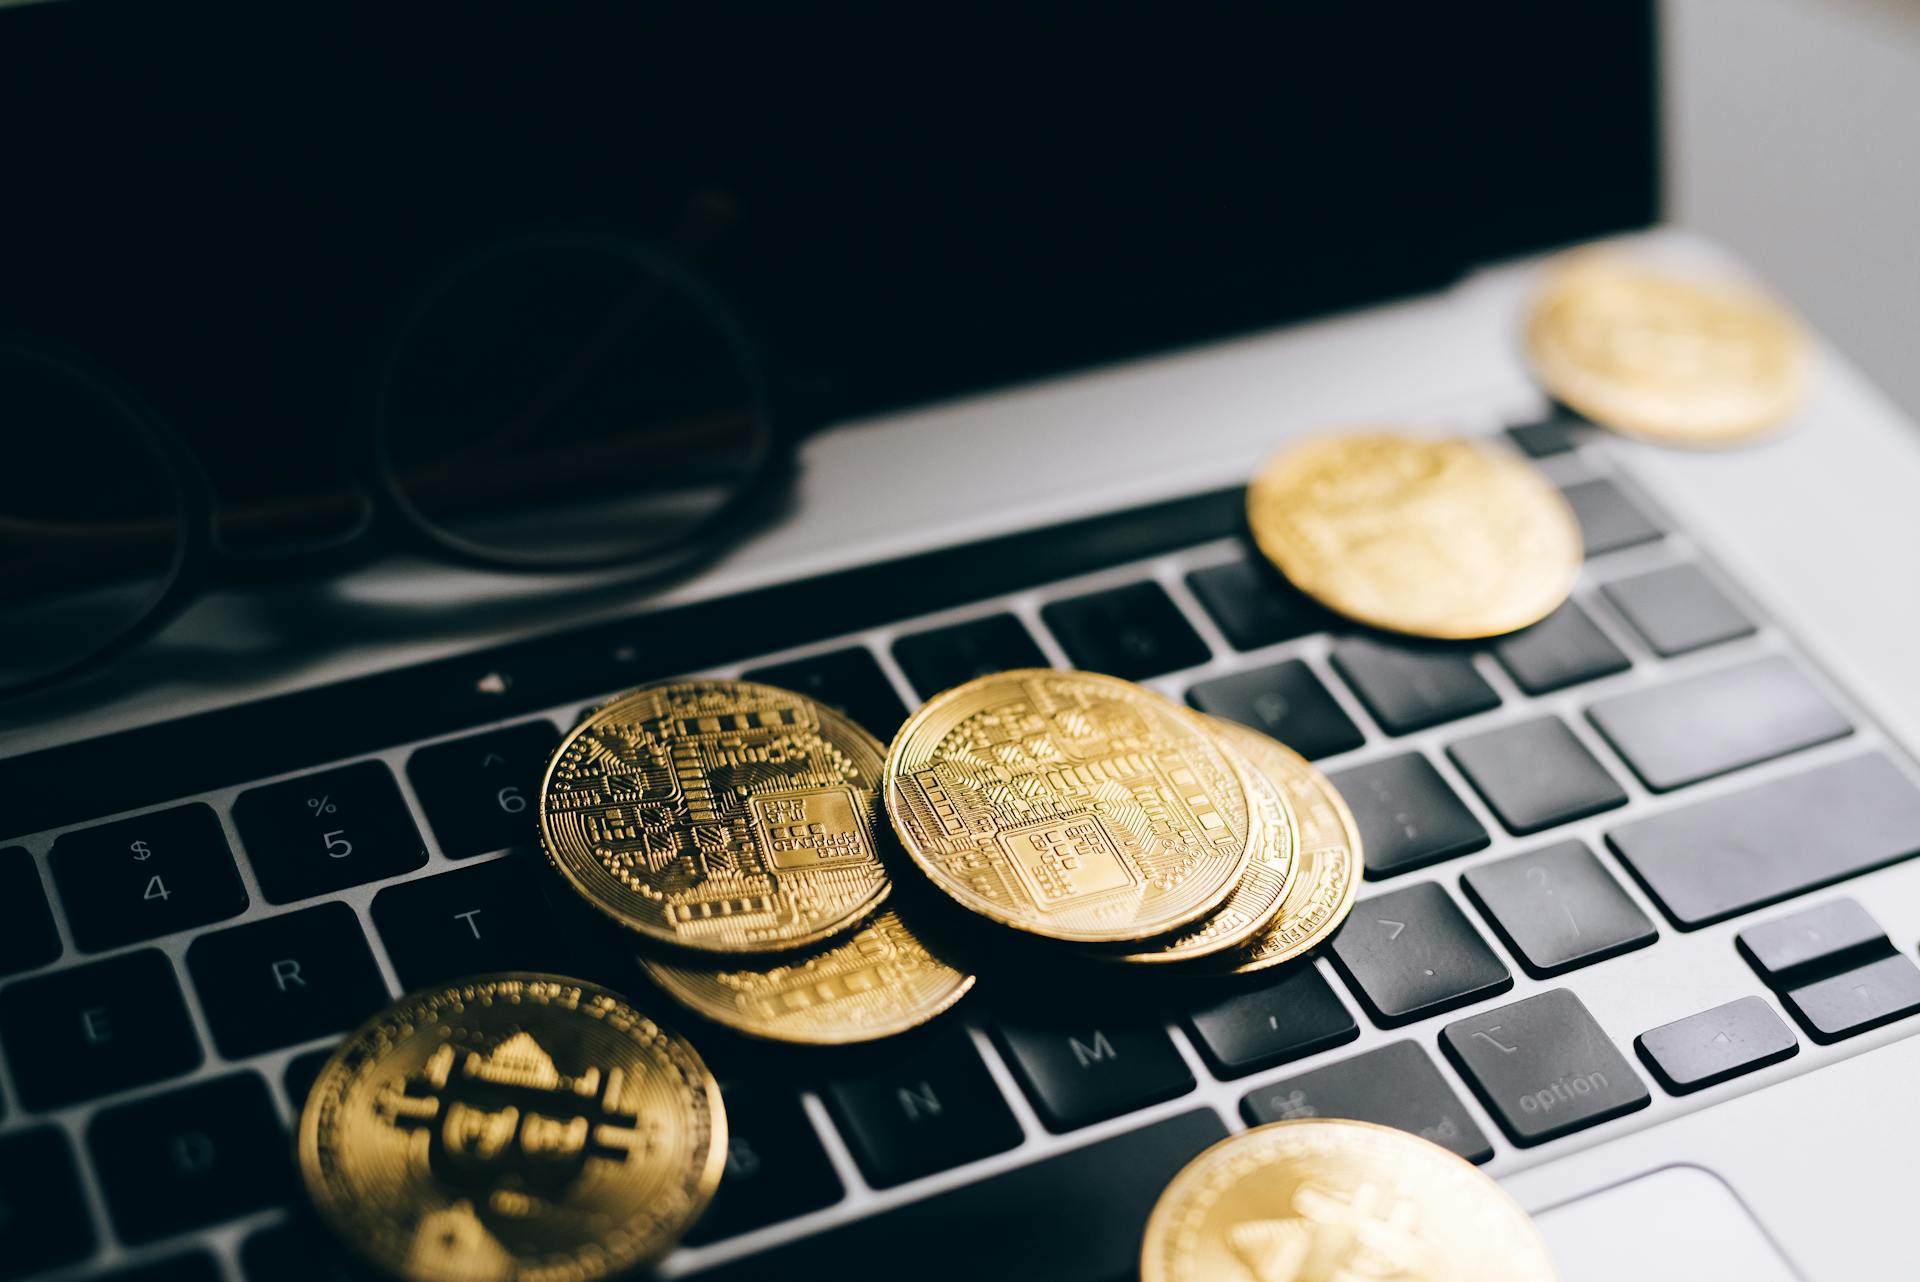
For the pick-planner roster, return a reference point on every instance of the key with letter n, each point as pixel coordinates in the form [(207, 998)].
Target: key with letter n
[(925, 1106)]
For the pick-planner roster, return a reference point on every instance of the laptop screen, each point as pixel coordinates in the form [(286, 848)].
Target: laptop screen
[(229, 206)]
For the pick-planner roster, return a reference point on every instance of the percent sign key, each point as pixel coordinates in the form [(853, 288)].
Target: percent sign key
[(327, 831)]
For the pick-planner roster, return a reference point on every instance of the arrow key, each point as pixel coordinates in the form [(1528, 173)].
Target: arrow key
[(1716, 1045), (1411, 953)]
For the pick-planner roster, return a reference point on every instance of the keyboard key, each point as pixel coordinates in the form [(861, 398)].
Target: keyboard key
[(946, 657), (327, 831), (1715, 858), (94, 1029), (849, 681), (1716, 1045), (1253, 605), (1095, 1198), (191, 1157), (1536, 775), (1837, 935), (1557, 909), (1286, 702), (1857, 1000), (1678, 609), (302, 1071), (490, 916), (1543, 1067), (27, 935), (1609, 520), (1134, 632), (1088, 1066), (1563, 649), (1269, 1018), (1396, 1085), (43, 1217), (1411, 953), (924, 1107), (479, 792), (145, 877), (1407, 815), (776, 1168), (296, 1251), (1409, 687), (287, 979), (1547, 438), (194, 1266), (1707, 725)]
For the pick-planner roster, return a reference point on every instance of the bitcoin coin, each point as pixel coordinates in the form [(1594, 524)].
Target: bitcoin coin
[(1675, 359), (1430, 537), (1327, 879), (718, 815), (511, 1126), (876, 982), (1070, 805), (1326, 1200), (1261, 892)]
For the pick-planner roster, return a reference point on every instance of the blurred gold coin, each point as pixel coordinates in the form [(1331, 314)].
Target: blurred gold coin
[(1433, 538), (511, 1126), (1261, 892), (876, 982), (1327, 1200), (1678, 360), (718, 815), (1327, 880), (1070, 805)]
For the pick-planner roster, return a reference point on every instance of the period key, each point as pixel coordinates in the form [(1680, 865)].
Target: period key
[(144, 877)]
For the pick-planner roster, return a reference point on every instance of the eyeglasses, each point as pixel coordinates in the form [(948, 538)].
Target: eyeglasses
[(552, 402)]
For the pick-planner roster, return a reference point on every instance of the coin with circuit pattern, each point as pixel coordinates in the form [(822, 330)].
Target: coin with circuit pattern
[(877, 981), (1325, 1200), (1070, 805), (721, 816), (1327, 879), (511, 1126), (1441, 538), (1684, 360), (1261, 893)]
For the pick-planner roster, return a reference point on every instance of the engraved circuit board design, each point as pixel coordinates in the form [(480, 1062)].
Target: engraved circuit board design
[(1436, 538), (1070, 805), (878, 981), (719, 815), (512, 1126)]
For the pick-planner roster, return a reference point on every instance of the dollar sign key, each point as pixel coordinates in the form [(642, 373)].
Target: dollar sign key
[(141, 850)]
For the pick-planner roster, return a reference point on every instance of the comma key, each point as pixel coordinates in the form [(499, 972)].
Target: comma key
[(1543, 1067)]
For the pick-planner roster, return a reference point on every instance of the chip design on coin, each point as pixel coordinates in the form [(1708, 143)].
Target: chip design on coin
[(511, 1126), (1327, 879), (1441, 538), (877, 981), (1070, 805), (1677, 359), (1262, 891), (1326, 1200), (722, 816)]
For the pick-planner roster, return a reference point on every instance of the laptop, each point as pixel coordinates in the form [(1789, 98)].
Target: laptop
[(1015, 300)]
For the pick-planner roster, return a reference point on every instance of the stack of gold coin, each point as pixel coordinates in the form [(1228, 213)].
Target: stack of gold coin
[(1093, 813), (511, 1126), (1679, 359), (1326, 1199), (733, 830), (1440, 538)]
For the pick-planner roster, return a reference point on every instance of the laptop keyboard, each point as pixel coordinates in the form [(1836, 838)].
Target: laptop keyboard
[(199, 909)]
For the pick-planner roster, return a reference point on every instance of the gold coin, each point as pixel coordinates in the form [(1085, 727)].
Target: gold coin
[(1677, 360), (718, 815), (508, 1127), (1070, 805), (1327, 880), (878, 981), (1261, 892), (1325, 1200), (1434, 538)]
